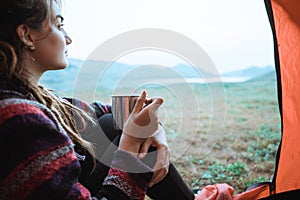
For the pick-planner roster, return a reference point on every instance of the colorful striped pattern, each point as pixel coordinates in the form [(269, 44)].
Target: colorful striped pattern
[(38, 154), (131, 177), (117, 178)]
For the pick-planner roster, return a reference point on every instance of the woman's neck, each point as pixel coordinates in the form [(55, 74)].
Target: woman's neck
[(33, 70)]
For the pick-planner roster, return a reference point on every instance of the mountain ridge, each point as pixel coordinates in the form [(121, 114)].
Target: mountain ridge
[(109, 74)]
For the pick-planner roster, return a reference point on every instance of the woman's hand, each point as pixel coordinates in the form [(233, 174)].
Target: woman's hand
[(161, 167), (141, 124)]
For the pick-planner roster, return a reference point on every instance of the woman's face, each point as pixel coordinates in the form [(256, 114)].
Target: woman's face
[(51, 45)]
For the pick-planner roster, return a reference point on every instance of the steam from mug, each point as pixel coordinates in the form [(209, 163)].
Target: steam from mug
[(122, 105)]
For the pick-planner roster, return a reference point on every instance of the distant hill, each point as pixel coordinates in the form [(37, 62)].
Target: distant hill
[(251, 72), (90, 74), (271, 76)]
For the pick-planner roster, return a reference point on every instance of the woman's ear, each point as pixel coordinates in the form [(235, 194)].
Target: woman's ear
[(23, 32)]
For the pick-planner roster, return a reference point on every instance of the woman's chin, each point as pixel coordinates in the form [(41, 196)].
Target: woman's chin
[(64, 64), (60, 66)]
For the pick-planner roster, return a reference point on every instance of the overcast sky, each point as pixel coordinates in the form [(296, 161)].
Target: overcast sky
[(234, 33)]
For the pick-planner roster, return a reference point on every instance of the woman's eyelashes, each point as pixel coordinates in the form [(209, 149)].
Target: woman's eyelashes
[(60, 26)]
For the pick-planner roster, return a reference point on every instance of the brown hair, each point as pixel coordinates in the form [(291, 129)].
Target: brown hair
[(33, 13), (12, 14)]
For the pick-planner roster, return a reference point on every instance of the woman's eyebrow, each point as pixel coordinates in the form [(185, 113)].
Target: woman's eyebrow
[(60, 17)]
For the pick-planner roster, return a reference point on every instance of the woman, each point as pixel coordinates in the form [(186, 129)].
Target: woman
[(44, 155)]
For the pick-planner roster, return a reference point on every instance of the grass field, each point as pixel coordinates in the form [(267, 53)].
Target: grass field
[(244, 152), (217, 133)]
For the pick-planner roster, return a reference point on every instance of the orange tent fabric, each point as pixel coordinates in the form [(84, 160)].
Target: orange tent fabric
[(287, 31)]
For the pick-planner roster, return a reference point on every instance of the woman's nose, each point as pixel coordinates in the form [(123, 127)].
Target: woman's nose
[(67, 38)]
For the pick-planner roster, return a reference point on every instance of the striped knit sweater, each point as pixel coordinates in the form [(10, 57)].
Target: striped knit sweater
[(38, 160)]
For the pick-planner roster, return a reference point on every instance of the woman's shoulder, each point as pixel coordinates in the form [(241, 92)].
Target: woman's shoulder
[(34, 149), (16, 110)]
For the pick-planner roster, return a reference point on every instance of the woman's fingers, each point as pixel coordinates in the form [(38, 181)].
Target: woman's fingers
[(158, 176), (147, 118), (140, 102), (143, 121), (145, 148), (155, 104), (161, 167)]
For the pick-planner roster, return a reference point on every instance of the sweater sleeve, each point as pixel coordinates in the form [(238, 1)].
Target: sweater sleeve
[(127, 177), (37, 157)]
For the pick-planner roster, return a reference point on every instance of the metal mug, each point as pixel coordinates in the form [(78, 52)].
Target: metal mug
[(121, 107)]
